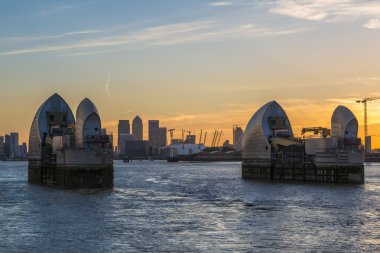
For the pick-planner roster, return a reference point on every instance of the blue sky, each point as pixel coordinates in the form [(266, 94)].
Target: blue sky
[(191, 64)]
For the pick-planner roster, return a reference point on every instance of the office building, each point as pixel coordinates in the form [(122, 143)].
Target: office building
[(137, 128), (190, 139), (7, 145), (137, 149), (162, 137), (13, 145), (154, 126), (124, 138), (2, 146), (238, 138), (123, 128), (24, 149)]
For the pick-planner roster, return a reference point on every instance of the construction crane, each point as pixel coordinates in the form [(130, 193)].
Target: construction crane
[(171, 134), (317, 130), (365, 101)]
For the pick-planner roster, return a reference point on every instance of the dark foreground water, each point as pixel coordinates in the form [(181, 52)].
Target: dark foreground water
[(188, 207)]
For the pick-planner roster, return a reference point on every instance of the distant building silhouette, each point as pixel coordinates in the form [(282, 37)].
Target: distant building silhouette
[(13, 148), (123, 128), (162, 137), (137, 149), (190, 139), (9, 147), (137, 128), (2, 146), (153, 126), (238, 138), (124, 139), (22, 150)]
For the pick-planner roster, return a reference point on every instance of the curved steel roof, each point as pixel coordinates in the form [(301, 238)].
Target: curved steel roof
[(54, 103), (344, 123), (86, 110), (258, 131)]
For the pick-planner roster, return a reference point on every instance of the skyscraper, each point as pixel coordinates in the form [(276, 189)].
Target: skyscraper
[(7, 145), (137, 128), (238, 138), (2, 146), (13, 145), (162, 137), (24, 150), (122, 128), (124, 139), (154, 126)]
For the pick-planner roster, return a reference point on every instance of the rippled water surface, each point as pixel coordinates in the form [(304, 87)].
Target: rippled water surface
[(188, 207)]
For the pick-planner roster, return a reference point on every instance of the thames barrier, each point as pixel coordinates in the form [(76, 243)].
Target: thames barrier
[(69, 152), (272, 153)]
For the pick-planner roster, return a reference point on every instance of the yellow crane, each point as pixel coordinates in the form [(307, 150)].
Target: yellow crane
[(365, 101)]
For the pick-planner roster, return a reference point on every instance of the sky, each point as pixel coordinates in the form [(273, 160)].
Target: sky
[(191, 64)]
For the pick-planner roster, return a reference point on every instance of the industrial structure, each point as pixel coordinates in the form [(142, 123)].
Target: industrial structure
[(66, 152), (270, 151), (367, 138)]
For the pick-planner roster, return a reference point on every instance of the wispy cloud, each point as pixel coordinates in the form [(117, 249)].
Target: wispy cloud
[(178, 33), (56, 10), (220, 3), (372, 24), (46, 37), (182, 117), (343, 100), (328, 10), (108, 85)]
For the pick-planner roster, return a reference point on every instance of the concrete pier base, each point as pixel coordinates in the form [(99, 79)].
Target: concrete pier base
[(73, 176), (328, 174)]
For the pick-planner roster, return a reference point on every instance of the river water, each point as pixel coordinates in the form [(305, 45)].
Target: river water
[(188, 207)]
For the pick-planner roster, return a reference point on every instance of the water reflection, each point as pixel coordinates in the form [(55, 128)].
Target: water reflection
[(188, 207)]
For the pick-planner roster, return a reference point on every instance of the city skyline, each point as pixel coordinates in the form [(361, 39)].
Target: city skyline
[(192, 65)]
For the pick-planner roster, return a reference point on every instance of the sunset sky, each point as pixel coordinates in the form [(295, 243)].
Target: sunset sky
[(191, 64)]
